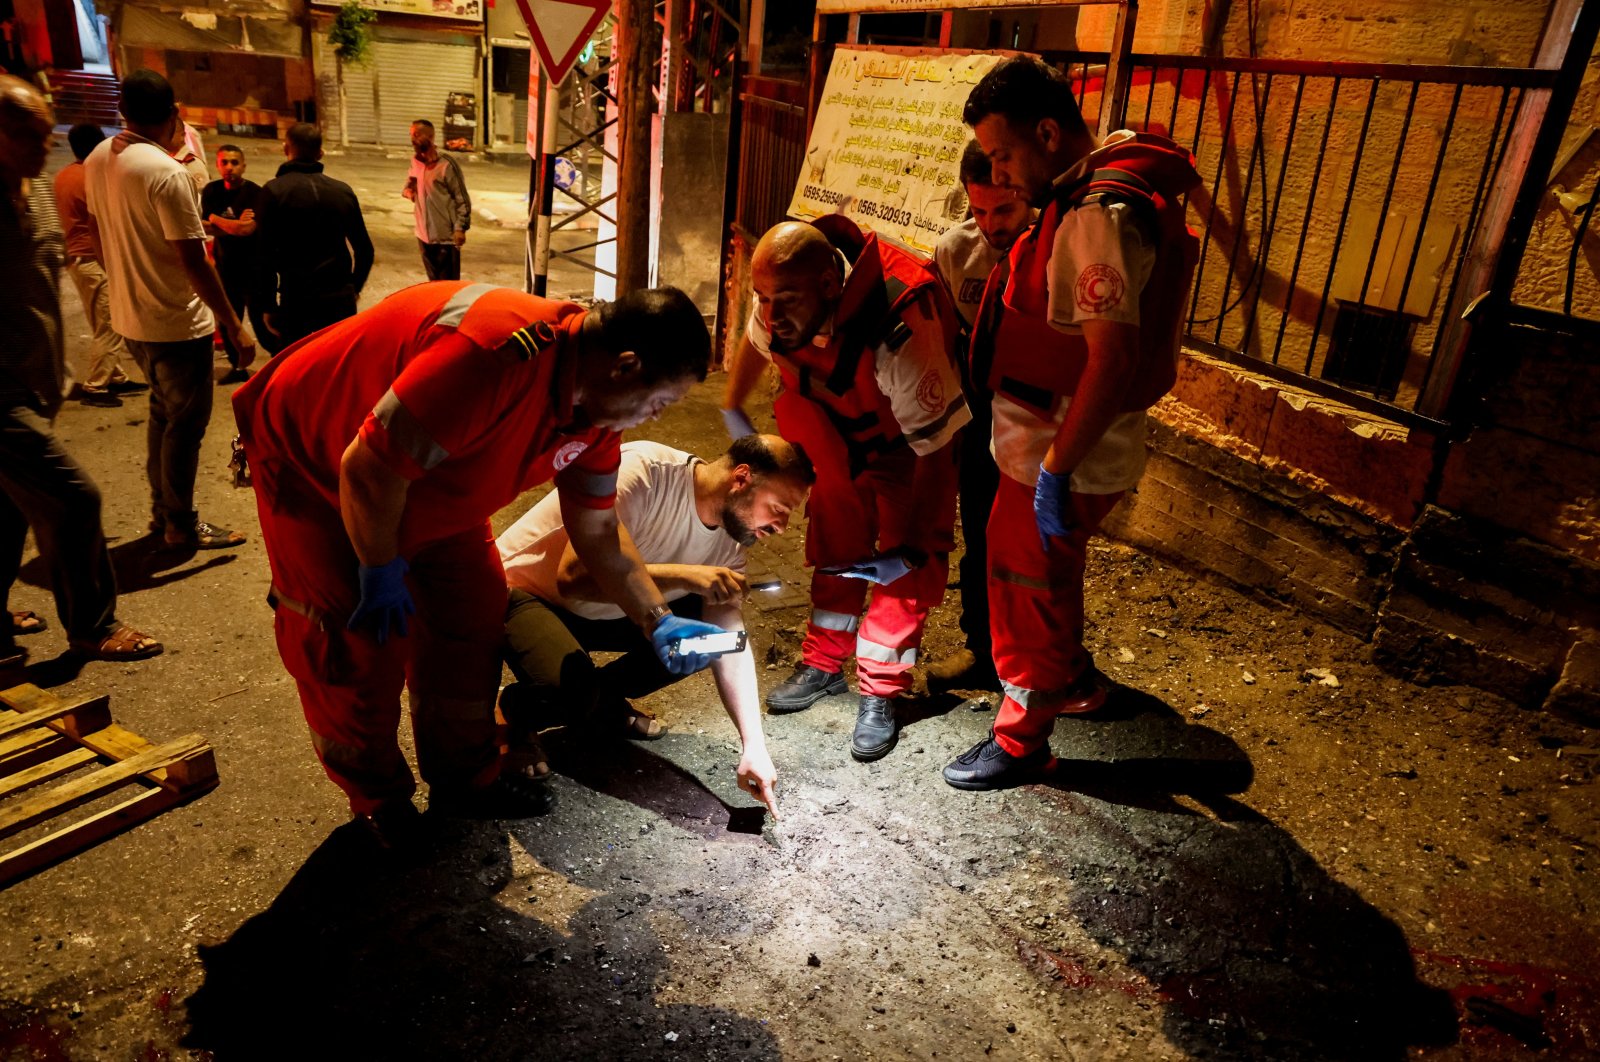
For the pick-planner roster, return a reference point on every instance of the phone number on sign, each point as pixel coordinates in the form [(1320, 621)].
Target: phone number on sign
[(868, 209)]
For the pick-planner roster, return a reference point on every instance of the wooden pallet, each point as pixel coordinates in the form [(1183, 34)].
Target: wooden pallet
[(43, 737)]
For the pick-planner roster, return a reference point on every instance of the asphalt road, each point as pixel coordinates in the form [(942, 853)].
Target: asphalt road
[(1237, 860)]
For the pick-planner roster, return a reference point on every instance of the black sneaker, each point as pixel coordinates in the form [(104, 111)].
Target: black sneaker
[(127, 387), (876, 730), (102, 398), (234, 376), (988, 766), (806, 687), (511, 795)]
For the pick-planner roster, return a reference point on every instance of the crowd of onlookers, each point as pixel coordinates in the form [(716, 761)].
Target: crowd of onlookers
[(169, 264)]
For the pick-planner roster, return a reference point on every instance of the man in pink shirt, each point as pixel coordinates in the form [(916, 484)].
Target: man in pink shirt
[(106, 377)]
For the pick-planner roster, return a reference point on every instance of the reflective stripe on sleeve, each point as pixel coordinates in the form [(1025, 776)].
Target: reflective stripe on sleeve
[(406, 430), (884, 654), (835, 621), (938, 424), (459, 303), (594, 484)]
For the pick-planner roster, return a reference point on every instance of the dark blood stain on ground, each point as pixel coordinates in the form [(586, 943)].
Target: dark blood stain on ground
[(1532, 1005), (28, 1035)]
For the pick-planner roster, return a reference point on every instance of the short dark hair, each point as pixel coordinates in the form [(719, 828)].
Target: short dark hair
[(235, 148), (83, 138), (423, 121), (663, 327), (147, 98), (1024, 90), (790, 461), (304, 140), (975, 165)]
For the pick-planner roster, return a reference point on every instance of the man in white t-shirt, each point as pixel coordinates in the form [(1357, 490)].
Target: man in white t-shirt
[(691, 521), (145, 218), (963, 259)]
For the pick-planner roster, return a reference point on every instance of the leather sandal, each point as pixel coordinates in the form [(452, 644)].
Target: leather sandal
[(204, 536), (26, 621), (124, 643), (641, 726)]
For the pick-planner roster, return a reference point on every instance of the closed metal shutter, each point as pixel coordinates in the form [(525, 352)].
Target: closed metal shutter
[(414, 80), (360, 88)]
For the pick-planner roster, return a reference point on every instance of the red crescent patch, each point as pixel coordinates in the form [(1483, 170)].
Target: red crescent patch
[(568, 454), (1100, 288), (930, 391)]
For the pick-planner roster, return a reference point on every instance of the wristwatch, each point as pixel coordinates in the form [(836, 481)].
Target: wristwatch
[(653, 618)]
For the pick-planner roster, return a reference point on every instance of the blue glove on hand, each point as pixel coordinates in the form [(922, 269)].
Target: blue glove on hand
[(737, 423), (883, 569), (1052, 506), (385, 602), (665, 638)]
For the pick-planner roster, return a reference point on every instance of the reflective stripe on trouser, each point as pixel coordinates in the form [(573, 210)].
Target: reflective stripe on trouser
[(1036, 611), (850, 520), (350, 685)]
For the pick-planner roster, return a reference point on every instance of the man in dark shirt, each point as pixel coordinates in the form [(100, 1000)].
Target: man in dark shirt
[(312, 253), (228, 208)]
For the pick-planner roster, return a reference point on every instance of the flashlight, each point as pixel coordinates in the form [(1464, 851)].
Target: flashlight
[(767, 584)]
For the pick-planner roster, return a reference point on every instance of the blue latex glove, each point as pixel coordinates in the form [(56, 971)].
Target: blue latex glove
[(385, 602), (737, 423), (883, 569), (666, 635), (1052, 506)]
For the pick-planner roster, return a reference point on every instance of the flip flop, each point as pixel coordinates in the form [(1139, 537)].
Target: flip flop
[(527, 759), (26, 621), (124, 643)]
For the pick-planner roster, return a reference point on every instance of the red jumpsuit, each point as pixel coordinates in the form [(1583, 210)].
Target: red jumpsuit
[(466, 390), (872, 393), (1112, 245)]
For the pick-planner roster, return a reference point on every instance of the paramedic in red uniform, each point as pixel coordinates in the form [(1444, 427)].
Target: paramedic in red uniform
[(379, 449), (1079, 328), (862, 334)]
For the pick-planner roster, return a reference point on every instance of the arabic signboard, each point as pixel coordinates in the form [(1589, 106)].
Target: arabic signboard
[(886, 146), (839, 7), (469, 10)]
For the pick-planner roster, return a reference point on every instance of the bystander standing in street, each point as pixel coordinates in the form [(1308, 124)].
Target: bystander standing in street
[(439, 199), (227, 207), (41, 486), (105, 377), (164, 291), (312, 253)]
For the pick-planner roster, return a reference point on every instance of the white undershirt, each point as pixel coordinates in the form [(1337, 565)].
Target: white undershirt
[(655, 502)]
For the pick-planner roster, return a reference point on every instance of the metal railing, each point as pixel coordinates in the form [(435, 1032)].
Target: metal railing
[(772, 147), (1338, 202)]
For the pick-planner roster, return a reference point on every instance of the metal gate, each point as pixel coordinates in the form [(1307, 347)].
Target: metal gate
[(415, 78)]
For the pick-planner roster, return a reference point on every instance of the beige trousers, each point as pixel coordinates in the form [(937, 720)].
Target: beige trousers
[(108, 351)]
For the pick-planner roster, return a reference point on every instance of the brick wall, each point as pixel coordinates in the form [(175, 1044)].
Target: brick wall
[(1473, 560)]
